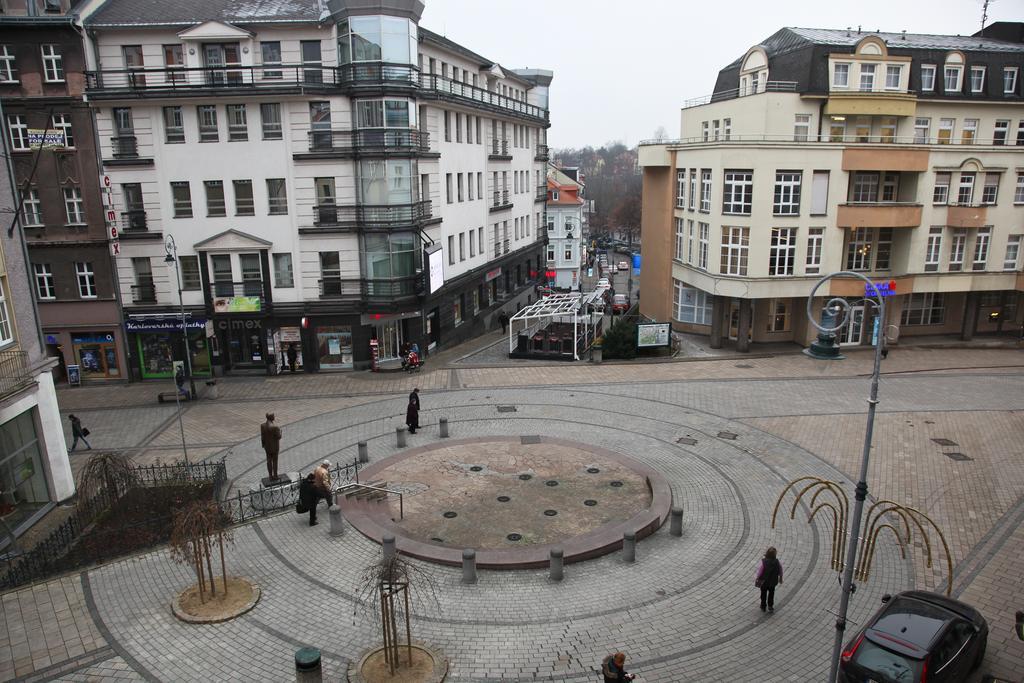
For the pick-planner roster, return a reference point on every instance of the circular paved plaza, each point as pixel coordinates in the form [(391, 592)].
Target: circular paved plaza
[(686, 609)]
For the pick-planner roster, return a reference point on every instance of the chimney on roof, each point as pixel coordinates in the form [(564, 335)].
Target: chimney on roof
[(847, 31), (903, 36), (858, 29)]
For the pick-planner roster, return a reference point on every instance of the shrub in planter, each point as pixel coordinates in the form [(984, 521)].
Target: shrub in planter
[(620, 340)]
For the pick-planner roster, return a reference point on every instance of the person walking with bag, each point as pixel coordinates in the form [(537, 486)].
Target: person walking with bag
[(769, 575), (78, 432)]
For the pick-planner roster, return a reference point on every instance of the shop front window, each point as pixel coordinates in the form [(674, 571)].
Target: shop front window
[(334, 346), (23, 489), (96, 354), (159, 350), (389, 340)]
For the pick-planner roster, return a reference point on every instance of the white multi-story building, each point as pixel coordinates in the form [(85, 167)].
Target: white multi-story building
[(338, 182), (565, 230), (894, 155)]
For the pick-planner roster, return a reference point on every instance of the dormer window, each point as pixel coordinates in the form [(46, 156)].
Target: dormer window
[(1010, 80), (554, 195), (952, 73), (867, 77), (893, 74), (927, 77), (841, 76), (977, 79)]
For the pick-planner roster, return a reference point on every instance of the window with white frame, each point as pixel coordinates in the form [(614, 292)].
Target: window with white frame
[(921, 130), (957, 246), (990, 190), (893, 75), (174, 126), (693, 189), (1000, 132), (727, 129), (1018, 192), (977, 79), (270, 120), (681, 189), (8, 69), (887, 129), (927, 77), (1012, 258), (812, 263), (208, 131), (53, 64), (86, 280), (965, 192), (691, 305), (737, 193), (946, 127), (735, 250), (704, 131), (865, 186), (277, 196), (31, 208), (867, 77), (680, 237), (18, 128), (690, 239), (238, 126), (1010, 80), (705, 190), (951, 78), (6, 336), (923, 308), (551, 253), (716, 129), (969, 131), (841, 76), (787, 193), (61, 123), (74, 208), (1020, 133), (778, 315), (858, 250), (981, 244), (940, 193), (782, 255), (44, 281), (801, 127), (704, 245), (933, 250)]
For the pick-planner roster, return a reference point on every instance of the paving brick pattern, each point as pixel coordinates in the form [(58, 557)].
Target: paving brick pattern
[(685, 611)]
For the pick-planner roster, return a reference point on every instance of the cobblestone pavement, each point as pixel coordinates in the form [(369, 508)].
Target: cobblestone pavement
[(686, 610)]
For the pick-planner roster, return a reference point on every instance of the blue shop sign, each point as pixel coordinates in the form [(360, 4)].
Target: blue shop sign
[(880, 289), (92, 338), (163, 324)]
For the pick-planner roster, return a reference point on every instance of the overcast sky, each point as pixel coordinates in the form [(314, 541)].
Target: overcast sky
[(624, 68)]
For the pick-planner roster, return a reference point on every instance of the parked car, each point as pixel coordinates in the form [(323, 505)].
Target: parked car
[(916, 636), (620, 304), (623, 265), (612, 268), (603, 283)]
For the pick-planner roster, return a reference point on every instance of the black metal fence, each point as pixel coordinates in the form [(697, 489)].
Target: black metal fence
[(264, 501)]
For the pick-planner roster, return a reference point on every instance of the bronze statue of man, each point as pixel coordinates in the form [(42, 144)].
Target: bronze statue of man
[(270, 438)]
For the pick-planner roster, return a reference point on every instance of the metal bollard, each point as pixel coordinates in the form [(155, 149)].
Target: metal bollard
[(387, 545), (676, 528), (468, 565), (364, 454), (555, 571), (629, 547), (337, 521), (400, 433), (442, 423), (307, 665)]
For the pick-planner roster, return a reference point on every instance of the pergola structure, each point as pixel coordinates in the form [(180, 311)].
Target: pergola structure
[(559, 325)]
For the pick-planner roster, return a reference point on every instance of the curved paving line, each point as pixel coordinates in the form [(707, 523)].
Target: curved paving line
[(979, 556), (602, 613), (280, 635), (90, 603)]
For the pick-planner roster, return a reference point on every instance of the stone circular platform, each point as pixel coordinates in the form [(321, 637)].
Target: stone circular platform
[(511, 499)]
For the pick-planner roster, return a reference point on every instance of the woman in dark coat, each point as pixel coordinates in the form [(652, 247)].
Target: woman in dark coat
[(412, 416), (769, 575), (308, 498)]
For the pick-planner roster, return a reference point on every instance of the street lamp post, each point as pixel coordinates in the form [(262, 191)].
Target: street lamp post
[(820, 350), (172, 257)]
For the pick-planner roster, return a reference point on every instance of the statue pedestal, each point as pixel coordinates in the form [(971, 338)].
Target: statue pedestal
[(282, 480)]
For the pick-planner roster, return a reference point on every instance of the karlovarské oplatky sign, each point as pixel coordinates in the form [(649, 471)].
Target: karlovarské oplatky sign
[(162, 324)]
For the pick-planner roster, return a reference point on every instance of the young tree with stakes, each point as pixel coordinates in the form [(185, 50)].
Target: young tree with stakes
[(192, 537)]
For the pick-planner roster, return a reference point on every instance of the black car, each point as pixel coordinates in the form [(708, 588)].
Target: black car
[(917, 637)]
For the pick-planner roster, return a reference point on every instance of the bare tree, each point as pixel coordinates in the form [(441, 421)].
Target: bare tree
[(196, 528), (110, 471), (384, 591), (660, 134)]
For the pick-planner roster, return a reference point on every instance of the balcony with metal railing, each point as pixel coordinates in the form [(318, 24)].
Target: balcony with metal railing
[(206, 80), (366, 142), (144, 293), (377, 74), (134, 221), (15, 371), (499, 150), (541, 194), (369, 217), (434, 85), (125, 146), (499, 199), (372, 289), (542, 153), (722, 95)]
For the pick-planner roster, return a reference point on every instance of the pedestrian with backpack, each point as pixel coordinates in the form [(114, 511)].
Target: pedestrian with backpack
[(769, 575)]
